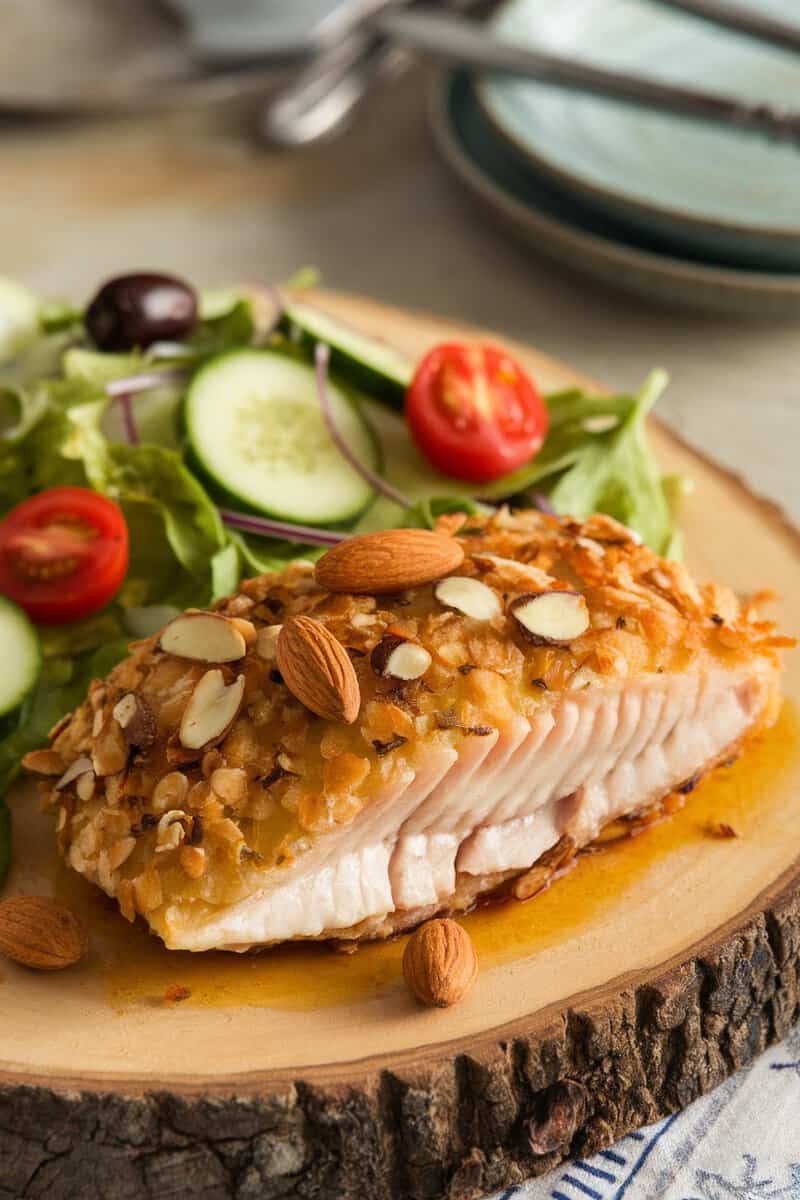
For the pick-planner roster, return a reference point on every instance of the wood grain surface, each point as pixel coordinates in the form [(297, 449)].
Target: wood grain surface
[(650, 999)]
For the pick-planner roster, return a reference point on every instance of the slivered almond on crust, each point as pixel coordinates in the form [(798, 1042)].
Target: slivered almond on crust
[(394, 743), (211, 711), (205, 637), (553, 618)]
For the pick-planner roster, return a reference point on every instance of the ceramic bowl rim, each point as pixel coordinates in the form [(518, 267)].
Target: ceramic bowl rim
[(776, 238)]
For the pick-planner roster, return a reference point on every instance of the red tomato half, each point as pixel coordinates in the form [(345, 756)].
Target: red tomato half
[(63, 553), (473, 411)]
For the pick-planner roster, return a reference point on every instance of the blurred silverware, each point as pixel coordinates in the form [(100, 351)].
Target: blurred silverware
[(743, 20), (240, 31), (465, 43), (322, 100)]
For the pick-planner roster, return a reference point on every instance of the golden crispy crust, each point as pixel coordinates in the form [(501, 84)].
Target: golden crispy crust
[(161, 825)]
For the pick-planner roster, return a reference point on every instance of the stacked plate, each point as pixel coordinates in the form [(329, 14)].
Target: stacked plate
[(694, 212)]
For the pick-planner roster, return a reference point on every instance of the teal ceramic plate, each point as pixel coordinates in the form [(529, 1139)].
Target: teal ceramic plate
[(584, 239), (702, 188)]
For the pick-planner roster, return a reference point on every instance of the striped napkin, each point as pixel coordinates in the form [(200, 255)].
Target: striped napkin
[(742, 1142)]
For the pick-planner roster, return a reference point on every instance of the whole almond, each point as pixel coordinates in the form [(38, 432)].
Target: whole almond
[(439, 963), (41, 933), (317, 669), (388, 561)]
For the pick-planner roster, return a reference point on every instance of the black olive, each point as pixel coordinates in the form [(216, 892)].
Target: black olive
[(133, 311)]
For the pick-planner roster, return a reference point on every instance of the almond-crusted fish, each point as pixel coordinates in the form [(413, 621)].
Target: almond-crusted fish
[(342, 752)]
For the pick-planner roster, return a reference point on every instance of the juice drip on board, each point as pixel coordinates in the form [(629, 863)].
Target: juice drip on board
[(133, 968)]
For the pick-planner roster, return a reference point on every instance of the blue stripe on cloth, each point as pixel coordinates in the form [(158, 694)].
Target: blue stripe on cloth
[(612, 1156), (590, 1170), (512, 1191), (559, 1196), (582, 1187), (642, 1159), (638, 1136)]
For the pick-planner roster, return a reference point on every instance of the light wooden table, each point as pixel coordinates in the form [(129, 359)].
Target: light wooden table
[(378, 213)]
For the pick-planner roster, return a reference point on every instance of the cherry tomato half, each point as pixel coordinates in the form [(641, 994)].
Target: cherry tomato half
[(63, 553), (473, 411)]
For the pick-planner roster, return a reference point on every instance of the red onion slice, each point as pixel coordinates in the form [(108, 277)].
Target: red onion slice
[(266, 527), (128, 419), (145, 382), (125, 389), (322, 356)]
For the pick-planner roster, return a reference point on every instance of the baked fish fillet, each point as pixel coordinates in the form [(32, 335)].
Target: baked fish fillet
[(561, 676)]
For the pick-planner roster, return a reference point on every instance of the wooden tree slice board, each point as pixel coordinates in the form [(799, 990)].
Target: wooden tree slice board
[(638, 982)]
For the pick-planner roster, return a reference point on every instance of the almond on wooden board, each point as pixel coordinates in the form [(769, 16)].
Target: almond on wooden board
[(439, 963), (41, 933), (388, 561), (317, 670)]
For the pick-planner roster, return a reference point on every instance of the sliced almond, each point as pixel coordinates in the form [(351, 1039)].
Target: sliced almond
[(396, 658), (111, 749), (43, 762), (124, 710), (468, 596), (511, 573), (85, 785), (73, 771), (582, 678), (212, 709), (136, 720), (267, 642), (317, 669), (551, 618), (390, 560), (59, 727), (204, 637), (246, 628)]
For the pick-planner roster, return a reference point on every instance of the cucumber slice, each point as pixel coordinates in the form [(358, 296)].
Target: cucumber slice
[(254, 427), (21, 656), (374, 366)]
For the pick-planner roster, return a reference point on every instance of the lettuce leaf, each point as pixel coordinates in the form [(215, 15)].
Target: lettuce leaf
[(181, 554), (176, 531), (596, 459)]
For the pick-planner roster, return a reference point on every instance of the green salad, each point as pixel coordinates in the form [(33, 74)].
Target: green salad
[(233, 431)]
